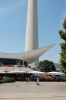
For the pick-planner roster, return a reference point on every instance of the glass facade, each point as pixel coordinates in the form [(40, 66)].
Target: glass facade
[(4, 61)]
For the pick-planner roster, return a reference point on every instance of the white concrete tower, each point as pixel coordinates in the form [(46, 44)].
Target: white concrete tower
[(31, 42)]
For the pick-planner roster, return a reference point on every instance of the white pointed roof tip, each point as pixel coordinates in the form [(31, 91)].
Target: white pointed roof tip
[(49, 46), (52, 45), (30, 56), (46, 47)]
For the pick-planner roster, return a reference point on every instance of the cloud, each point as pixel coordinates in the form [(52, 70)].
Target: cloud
[(11, 7)]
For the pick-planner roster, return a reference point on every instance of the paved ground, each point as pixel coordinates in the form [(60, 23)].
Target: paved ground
[(31, 91)]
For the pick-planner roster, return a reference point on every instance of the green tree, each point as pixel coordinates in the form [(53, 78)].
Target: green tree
[(63, 47), (46, 66)]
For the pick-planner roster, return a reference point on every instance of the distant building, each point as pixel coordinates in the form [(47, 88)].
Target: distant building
[(57, 66)]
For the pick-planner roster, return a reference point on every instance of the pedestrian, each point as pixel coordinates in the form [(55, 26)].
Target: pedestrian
[(37, 82), (27, 79)]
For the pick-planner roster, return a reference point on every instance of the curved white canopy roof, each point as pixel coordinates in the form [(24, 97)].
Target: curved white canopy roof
[(29, 56)]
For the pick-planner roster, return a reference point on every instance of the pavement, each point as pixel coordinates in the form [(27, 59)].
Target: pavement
[(31, 91)]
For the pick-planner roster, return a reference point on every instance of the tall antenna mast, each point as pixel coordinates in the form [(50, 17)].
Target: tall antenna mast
[(31, 42)]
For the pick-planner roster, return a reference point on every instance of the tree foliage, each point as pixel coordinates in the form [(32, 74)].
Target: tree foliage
[(63, 47), (46, 66)]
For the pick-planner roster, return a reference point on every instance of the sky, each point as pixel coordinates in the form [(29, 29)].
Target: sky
[(13, 15)]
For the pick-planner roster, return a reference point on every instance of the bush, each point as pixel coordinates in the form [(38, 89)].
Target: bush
[(7, 80)]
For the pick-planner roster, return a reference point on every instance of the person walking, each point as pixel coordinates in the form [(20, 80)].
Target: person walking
[(37, 82)]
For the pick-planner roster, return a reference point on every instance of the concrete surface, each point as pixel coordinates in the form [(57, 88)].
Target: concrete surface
[(31, 91)]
